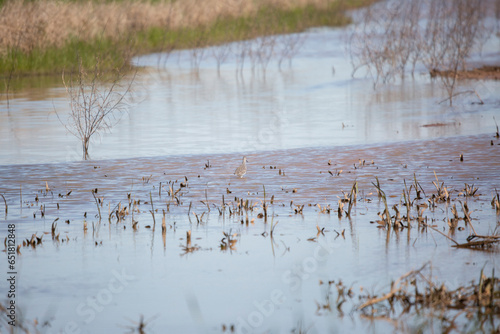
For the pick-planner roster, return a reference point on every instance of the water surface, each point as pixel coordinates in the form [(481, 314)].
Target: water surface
[(309, 131), (177, 109)]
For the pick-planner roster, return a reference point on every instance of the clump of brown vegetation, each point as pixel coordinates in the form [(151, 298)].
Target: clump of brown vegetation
[(475, 304), (417, 292), (397, 220)]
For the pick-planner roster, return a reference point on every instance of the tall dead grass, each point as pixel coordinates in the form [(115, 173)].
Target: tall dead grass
[(51, 23)]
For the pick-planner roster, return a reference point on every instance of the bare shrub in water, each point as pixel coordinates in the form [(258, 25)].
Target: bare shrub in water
[(440, 34), (96, 103)]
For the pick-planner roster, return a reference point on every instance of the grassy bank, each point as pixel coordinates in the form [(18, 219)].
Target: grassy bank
[(47, 36)]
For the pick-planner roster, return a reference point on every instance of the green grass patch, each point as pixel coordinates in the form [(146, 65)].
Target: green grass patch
[(56, 60), (267, 21), (113, 53)]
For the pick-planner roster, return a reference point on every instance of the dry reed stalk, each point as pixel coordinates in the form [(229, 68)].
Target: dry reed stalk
[(152, 211), (97, 203), (5, 202)]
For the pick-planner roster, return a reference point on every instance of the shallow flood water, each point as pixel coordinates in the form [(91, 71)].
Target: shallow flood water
[(178, 110), (110, 274), (309, 134)]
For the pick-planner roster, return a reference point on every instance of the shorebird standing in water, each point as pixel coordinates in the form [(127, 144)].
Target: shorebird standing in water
[(242, 169)]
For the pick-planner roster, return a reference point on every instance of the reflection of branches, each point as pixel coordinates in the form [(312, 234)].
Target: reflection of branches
[(241, 52), (290, 46), (252, 55), (220, 54), (198, 44), (197, 55), (265, 51)]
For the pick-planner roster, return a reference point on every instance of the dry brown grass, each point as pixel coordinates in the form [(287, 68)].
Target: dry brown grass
[(47, 23)]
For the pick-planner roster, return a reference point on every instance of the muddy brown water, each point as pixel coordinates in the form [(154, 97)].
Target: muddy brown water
[(261, 283)]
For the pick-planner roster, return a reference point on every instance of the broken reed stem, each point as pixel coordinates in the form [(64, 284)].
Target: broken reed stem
[(377, 186), (264, 205), (97, 204), (206, 200), (5, 202), (354, 191), (53, 229), (111, 212), (417, 185), (467, 218), (152, 211), (381, 194), (407, 201), (498, 133)]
